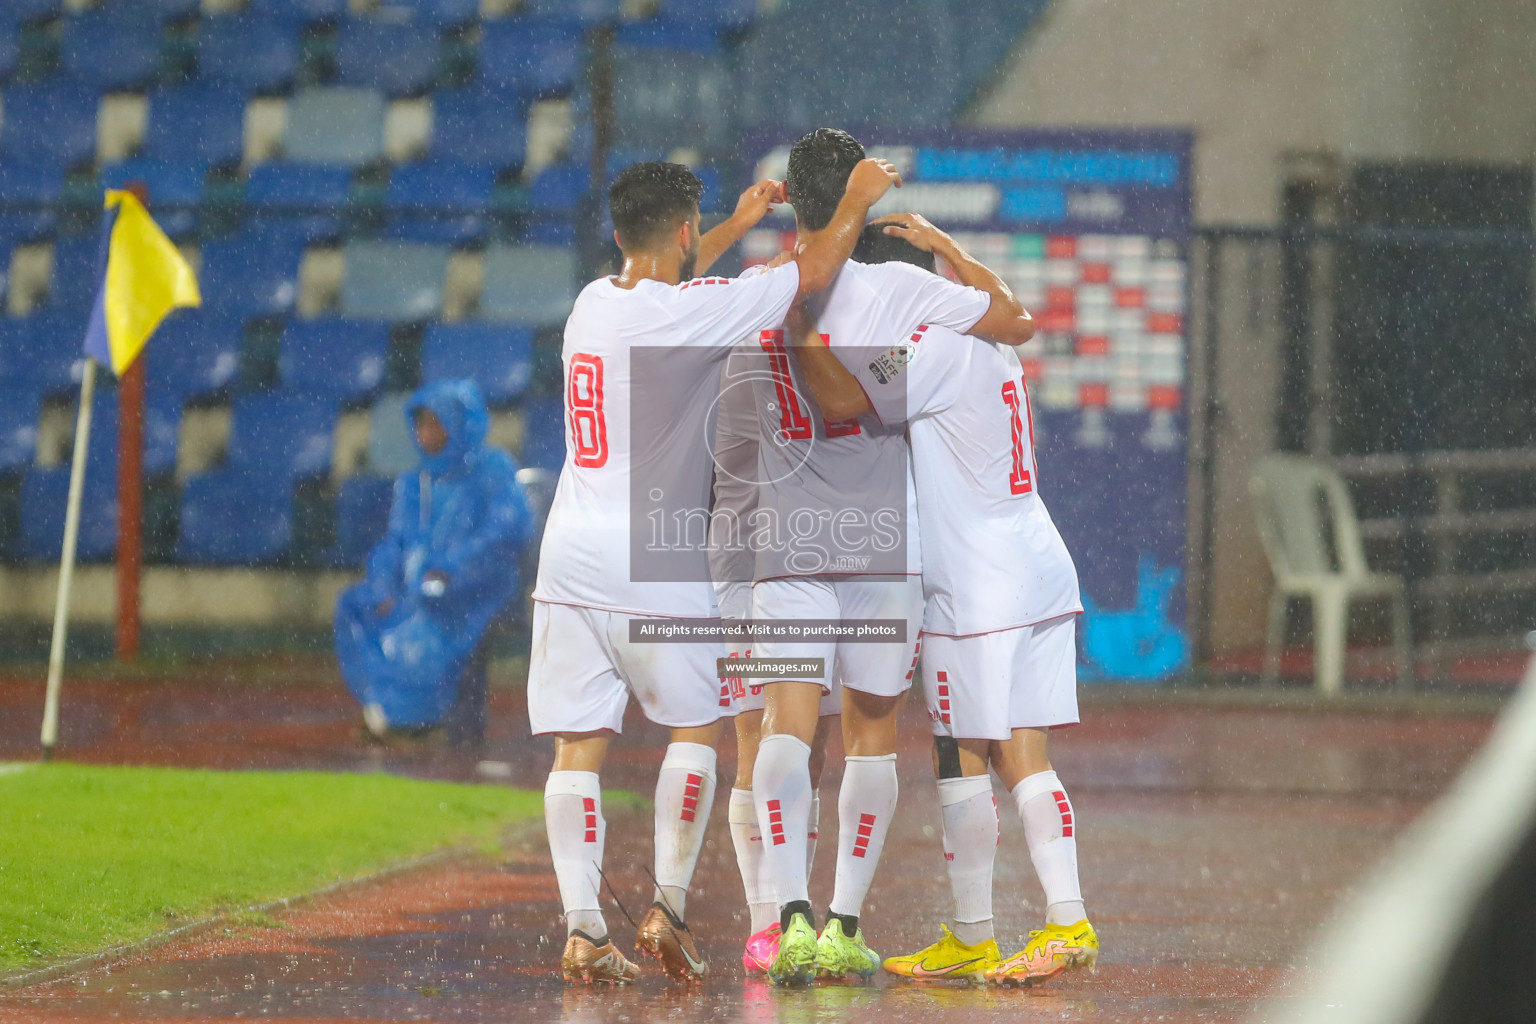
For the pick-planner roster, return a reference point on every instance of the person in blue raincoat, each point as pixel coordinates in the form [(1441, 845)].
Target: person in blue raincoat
[(409, 636)]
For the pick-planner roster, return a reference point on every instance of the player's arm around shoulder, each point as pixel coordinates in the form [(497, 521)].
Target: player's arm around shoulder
[(823, 256), (1006, 320)]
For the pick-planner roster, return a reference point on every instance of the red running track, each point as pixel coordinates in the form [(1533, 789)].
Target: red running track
[(1213, 841)]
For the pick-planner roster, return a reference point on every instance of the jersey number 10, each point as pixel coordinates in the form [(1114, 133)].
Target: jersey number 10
[(794, 424), (1021, 480)]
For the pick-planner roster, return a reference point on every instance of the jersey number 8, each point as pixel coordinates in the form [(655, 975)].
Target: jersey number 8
[(584, 400)]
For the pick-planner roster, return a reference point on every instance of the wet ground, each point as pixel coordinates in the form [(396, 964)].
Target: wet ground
[(1213, 841)]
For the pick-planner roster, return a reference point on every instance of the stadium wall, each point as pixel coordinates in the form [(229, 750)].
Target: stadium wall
[(1272, 89), (1260, 81)]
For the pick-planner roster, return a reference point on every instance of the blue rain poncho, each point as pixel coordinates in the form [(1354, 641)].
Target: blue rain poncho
[(462, 514)]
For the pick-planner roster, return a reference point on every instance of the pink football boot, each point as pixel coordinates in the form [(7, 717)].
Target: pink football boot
[(762, 948)]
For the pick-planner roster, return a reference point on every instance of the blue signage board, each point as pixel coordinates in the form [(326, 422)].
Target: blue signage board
[(1091, 230)]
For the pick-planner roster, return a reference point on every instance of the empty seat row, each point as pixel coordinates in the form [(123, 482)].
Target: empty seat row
[(256, 274), (196, 356), (116, 52), (53, 126), (243, 512)]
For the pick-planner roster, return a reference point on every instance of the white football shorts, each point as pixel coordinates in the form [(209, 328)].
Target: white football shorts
[(882, 669), (983, 687), (583, 669)]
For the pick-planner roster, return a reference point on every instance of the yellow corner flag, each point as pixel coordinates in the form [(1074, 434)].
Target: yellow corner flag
[(143, 277)]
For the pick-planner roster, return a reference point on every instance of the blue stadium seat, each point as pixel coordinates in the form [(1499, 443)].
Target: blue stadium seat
[(170, 184), (44, 498), (162, 430), (396, 59), (544, 433), (436, 201), (255, 273), (672, 82), (439, 13), (51, 123), (30, 10), (536, 57), (528, 284), (393, 280), (280, 435), (362, 518), (293, 199), (196, 122), (163, 10), (726, 15), (339, 125), (249, 53), (40, 352), (299, 11), (334, 358), (45, 493), (230, 517), (19, 408), (76, 275), (111, 52), (660, 34), (391, 449), (196, 352), (558, 188), (795, 70), (478, 126), (498, 357), (27, 183), (580, 12), (10, 48)]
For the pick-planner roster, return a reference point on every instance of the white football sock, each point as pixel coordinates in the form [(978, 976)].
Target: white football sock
[(748, 840), (970, 848), (1050, 830), (781, 788), (573, 817), (685, 793), (813, 832), (865, 802)]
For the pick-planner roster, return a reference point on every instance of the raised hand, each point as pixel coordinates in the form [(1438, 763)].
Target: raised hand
[(914, 228), (755, 203), (872, 178)]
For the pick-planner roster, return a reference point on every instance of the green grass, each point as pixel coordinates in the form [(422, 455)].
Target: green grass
[(92, 857)]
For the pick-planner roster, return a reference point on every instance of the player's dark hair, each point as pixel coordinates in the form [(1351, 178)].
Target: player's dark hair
[(875, 246), (649, 198), (819, 165)]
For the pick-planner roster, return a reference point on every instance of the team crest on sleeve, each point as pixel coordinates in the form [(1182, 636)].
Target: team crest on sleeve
[(889, 364)]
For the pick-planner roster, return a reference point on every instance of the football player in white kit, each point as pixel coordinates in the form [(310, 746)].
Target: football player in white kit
[(584, 666), (732, 563), (999, 629), (818, 465)]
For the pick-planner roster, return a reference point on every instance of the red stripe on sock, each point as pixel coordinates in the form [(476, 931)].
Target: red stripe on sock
[(1065, 808), (776, 822), (866, 831), (589, 813), (691, 795)]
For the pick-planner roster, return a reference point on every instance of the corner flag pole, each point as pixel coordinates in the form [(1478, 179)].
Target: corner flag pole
[(67, 559)]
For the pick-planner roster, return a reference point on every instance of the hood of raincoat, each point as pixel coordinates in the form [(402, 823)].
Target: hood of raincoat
[(460, 407)]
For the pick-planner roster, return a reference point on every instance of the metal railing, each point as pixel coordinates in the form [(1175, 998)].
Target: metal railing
[(1447, 527)]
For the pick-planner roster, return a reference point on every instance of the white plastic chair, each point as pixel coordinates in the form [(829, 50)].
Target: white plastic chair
[(1307, 523)]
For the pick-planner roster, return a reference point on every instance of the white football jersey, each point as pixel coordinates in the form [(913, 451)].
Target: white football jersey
[(841, 472), (992, 557), (679, 336)]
